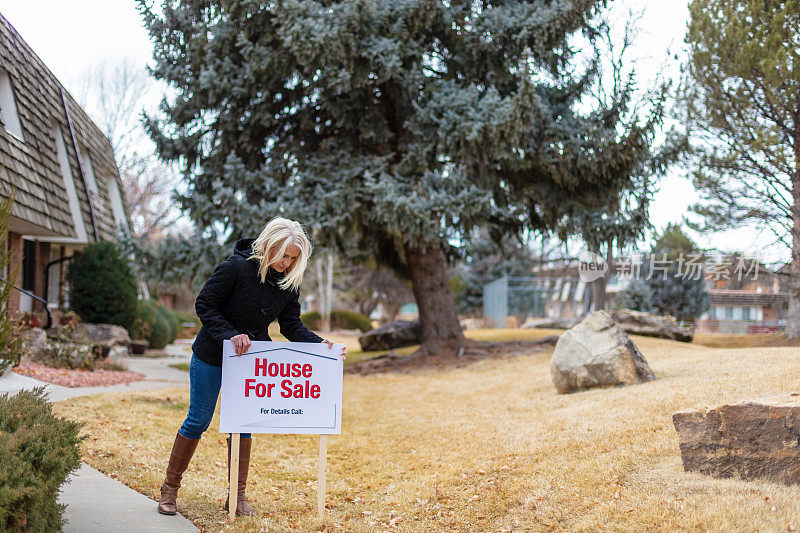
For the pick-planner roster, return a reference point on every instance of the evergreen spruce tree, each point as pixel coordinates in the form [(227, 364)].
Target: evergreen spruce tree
[(391, 127), (673, 292)]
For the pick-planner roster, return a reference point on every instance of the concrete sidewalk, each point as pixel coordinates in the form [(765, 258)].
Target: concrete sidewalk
[(94, 501), (97, 503)]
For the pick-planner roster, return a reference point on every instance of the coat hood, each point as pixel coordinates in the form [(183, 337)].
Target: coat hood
[(243, 247)]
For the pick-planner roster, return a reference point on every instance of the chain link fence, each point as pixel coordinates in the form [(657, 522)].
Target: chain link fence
[(520, 296)]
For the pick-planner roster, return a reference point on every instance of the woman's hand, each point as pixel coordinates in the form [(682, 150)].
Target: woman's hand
[(330, 345), (241, 343)]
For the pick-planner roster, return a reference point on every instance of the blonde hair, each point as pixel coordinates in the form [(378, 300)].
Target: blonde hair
[(276, 236)]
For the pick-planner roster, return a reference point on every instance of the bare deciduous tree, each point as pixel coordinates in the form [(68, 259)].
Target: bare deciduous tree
[(116, 96)]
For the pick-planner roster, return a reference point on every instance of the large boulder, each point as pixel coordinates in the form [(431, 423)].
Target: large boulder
[(648, 325), (34, 343), (106, 335), (391, 335), (597, 353), (752, 439)]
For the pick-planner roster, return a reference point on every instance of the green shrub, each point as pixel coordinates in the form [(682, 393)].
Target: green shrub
[(350, 320), (311, 320), (638, 296), (183, 316), (161, 335), (155, 324), (38, 450), (172, 322), (339, 320), (102, 288), (142, 326), (186, 318)]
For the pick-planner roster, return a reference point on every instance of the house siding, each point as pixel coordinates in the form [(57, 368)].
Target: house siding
[(30, 169)]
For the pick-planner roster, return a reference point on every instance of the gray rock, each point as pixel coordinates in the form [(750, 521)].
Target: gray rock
[(391, 335), (106, 335), (34, 342), (752, 439), (597, 353), (648, 325)]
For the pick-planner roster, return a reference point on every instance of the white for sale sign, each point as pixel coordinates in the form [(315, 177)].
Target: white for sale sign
[(282, 387)]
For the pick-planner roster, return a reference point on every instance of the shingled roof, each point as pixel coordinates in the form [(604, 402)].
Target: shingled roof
[(30, 168)]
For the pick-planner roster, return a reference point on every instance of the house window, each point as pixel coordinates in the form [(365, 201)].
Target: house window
[(88, 169), (69, 184), (565, 291), (8, 107), (54, 278), (746, 314), (28, 274), (728, 313), (116, 204), (28, 264)]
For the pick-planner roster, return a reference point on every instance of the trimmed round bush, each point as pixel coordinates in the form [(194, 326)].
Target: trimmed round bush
[(350, 320), (172, 322), (311, 320), (102, 288), (143, 324), (38, 450), (155, 324), (162, 331)]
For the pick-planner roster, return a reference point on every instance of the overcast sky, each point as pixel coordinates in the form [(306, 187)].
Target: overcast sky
[(73, 37)]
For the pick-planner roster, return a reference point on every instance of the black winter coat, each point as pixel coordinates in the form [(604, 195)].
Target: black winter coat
[(234, 301)]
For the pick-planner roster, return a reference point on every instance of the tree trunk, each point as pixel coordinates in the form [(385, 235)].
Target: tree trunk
[(437, 311), (793, 320), (325, 290), (598, 286)]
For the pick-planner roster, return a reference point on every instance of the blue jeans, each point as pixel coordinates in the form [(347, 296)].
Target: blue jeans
[(204, 383)]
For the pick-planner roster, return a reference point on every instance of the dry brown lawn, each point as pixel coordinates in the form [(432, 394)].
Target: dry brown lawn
[(744, 341), (488, 447)]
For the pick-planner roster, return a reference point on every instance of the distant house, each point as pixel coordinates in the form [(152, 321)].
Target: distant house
[(744, 296), (60, 169), (756, 303)]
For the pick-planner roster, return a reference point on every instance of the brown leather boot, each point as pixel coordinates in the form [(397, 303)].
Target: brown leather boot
[(182, 451), (242, 507)]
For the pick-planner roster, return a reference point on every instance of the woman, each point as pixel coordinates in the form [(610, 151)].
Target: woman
[(246, 292)]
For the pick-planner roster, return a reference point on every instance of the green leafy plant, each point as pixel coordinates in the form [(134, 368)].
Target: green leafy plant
[(101, 286), (37, 450)]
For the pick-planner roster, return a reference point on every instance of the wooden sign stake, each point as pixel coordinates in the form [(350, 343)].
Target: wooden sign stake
[(323, 459), (233, 478)]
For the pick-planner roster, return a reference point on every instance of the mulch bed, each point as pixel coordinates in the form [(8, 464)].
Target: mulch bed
[(458, 357), (76, 378)]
